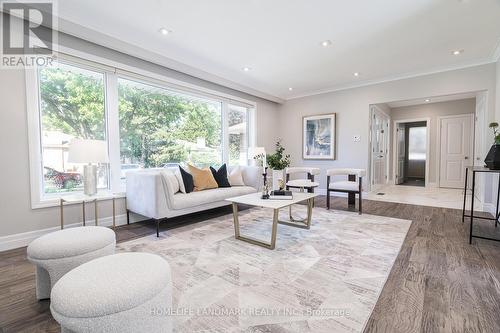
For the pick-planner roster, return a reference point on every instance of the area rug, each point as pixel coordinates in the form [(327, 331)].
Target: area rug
[(326, 279)]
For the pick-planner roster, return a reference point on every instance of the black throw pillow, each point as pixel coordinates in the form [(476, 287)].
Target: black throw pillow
[(187, 179), (221, 176)]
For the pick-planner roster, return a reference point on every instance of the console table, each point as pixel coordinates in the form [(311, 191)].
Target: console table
[(475, 170)]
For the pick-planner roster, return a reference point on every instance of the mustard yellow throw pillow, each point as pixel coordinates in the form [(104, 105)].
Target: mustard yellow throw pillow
[(203, 178)]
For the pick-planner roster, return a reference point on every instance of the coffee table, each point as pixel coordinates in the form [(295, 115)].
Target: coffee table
[(254, 199)]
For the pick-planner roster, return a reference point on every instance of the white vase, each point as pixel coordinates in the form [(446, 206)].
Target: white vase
[(276, 176)]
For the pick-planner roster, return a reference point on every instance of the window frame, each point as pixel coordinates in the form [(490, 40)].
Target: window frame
[(112, 72)]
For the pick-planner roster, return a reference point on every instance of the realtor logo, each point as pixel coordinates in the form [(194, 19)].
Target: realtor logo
[(28, 33)]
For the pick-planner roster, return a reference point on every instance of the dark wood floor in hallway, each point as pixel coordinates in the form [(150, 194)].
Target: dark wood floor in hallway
[(439, 283)]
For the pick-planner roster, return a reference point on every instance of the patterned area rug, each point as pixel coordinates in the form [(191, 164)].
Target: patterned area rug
[(326, 279)]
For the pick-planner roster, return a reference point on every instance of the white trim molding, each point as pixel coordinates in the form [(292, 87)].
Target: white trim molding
[(23, 239), (496, 53), (392, 78), (111, 76), (427, 148)]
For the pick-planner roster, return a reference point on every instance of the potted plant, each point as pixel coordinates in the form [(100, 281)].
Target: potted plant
[(278, 162), (492, 160)]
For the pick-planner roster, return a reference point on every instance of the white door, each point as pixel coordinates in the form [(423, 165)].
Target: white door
[(380, 135), (401, 153), (455, 150)]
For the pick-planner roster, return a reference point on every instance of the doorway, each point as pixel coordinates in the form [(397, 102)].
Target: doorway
[(456, 149), (379, 147), (412, 151)]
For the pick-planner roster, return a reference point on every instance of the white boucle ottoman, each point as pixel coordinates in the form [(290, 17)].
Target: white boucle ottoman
[(57, 253), (126, 292)]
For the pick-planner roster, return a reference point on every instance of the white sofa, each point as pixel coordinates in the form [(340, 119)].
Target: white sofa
[(150, 195)]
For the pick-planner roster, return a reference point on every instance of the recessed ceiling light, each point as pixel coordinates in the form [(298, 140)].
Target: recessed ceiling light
[(427, 100), (246, 69), (356, 74), (164, 31), (457, 52), (290, 89), (326, 43)]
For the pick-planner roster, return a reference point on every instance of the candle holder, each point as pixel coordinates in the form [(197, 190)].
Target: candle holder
[(265, 187)]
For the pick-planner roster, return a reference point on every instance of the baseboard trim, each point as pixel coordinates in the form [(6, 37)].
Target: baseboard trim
[(23, 239), (489, 208)]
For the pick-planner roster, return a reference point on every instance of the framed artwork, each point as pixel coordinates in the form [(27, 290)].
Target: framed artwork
[(318, 138)]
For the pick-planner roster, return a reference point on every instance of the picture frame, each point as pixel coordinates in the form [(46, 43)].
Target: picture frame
[(319, 137)]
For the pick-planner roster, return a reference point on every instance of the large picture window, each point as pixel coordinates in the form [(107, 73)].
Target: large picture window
[(72, 106), (159, 128), (146, 123)]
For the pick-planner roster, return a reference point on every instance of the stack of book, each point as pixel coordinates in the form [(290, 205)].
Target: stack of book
[(281, 195)]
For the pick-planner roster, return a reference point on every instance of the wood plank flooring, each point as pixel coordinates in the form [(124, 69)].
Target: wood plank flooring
[(439, 283)]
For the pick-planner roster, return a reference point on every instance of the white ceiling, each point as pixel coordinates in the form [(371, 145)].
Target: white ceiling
[(280, 39)]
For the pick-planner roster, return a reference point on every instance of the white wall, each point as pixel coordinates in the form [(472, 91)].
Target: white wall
[(432, 111), (352, 108), (497, 114), (16, 215)]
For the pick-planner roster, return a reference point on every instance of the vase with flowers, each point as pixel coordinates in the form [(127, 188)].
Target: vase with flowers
[(278, 162), (492, 160)]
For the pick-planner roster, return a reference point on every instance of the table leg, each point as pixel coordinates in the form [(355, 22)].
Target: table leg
[(236, 221), (465, 194), (114, 218), (83, 211), (61, 203), (275, 228), (472, 206), (251, 240), (310, 205), (95, 209)]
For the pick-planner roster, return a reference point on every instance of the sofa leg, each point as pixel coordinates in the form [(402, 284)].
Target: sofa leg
[(128, 216), (157, 227)]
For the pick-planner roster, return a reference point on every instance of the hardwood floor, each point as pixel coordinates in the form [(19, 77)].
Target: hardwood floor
[(439, 283)]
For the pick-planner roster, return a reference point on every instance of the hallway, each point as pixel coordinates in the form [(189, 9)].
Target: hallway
[(424, 196)]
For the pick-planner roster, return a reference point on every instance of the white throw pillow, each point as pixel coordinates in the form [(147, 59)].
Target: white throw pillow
[(178, 175), (172, 182), (236, 177)]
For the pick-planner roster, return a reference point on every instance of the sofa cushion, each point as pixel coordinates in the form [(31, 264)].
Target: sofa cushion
[(172, 182), (187, 179), (182, 201), (203, 178), (345, 185), (177, 174), (236, 177), (221, 176)]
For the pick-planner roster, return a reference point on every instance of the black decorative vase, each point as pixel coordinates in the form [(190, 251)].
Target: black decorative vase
[(492, 160)]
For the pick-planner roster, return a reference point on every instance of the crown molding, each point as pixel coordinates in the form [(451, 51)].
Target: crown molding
[(391, 78)]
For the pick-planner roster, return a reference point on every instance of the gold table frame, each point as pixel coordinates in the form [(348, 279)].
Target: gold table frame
[(91, 199), (302, 224)]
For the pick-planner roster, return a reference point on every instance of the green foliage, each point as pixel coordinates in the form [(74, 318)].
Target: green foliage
[(72, 103), (278, 160), (494, 126), (156, 127)]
